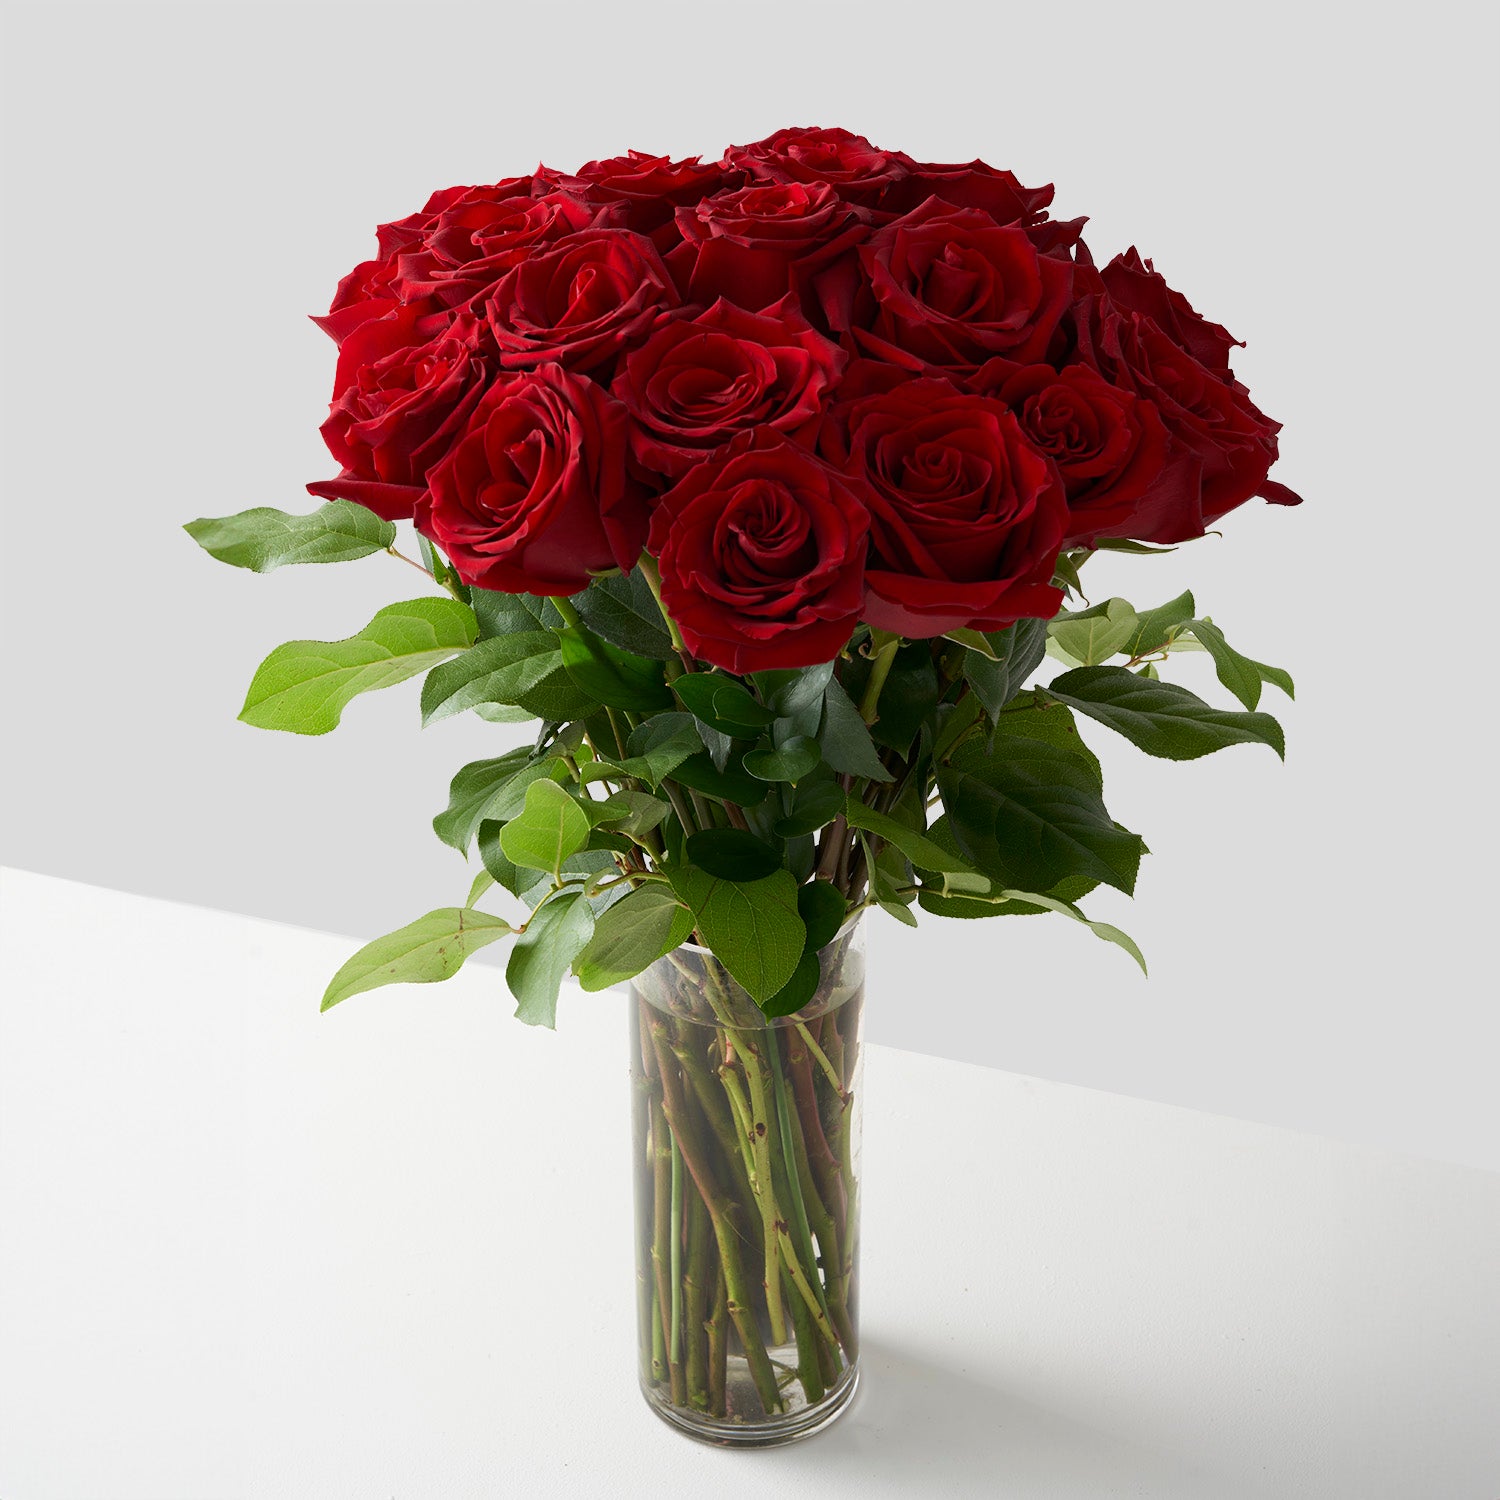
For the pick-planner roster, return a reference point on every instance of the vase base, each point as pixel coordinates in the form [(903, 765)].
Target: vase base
[(776, 1432)]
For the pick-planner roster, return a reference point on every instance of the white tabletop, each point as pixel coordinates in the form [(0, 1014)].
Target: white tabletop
[(252, 1252)]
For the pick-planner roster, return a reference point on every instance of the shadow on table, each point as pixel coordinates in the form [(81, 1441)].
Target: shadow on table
[(920, 1427)]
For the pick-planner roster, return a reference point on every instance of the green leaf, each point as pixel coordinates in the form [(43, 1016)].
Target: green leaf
[(631, 812), (978, 903), (655, 749), (815, 804), (630, 937), (1035, 716), (611, 676), (512, 614), (480, 884), (543, 954), (752, 926), (502, 669), (489, 789), (264, 539), (974, 640), (304, 686), (793, 692), (1102, 930), (917, 847), (498, 866), (797, 991), (623, 611), (908, 699), (1237, 672), (822, 908), (550, 826), (1095, 635), (798, 757), (845, 737), (433, 947), (723, 703), (1015, 654), (729, 785), (1157, 626), (732, 854), (1031, 816), (1160, 717)]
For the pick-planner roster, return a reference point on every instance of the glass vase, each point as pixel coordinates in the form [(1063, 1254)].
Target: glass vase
[(746, 1149)]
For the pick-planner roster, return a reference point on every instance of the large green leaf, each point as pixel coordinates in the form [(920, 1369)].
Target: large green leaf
[(1160, 717), (729, 785), (431, 948), (1035, 716), (753, 927), (845, 737), (500, 669), (543, 954), (264, 539), (1031, 815), (623, 610), (1014, 655), (490, 789), (304, 686), (550, 826), (609, 675), (629, 937)]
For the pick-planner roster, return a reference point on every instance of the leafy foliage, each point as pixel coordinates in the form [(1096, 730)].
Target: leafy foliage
[(665, 801)]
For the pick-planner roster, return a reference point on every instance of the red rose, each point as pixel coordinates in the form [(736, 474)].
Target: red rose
[(370, 290), (696, 382), (1222, 445), (973, 184), (953, 290), (966, 516), (486, 232), (649, 188), (761, 549), (1135, 285), (534, 498), (755, 244), (584, 302), (405, 384), (860, 171), (1109, 445)]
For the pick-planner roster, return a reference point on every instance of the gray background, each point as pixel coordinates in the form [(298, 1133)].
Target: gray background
[(184, 184)]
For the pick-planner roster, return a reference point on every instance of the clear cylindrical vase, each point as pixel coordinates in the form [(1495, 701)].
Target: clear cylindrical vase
[(746, 1149)]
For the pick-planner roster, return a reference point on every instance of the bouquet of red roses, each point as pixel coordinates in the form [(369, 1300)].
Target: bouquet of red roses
[(762, 484)]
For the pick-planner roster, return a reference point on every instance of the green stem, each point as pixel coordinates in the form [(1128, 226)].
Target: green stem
[(696, 1286), (660, 1241), (799, 1280), (809, 1368), (652, 574), (674, 1341), (801, 1231), (718, 1348), (564, 607), (740, 1308), (881, 659), (762, 1180)]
